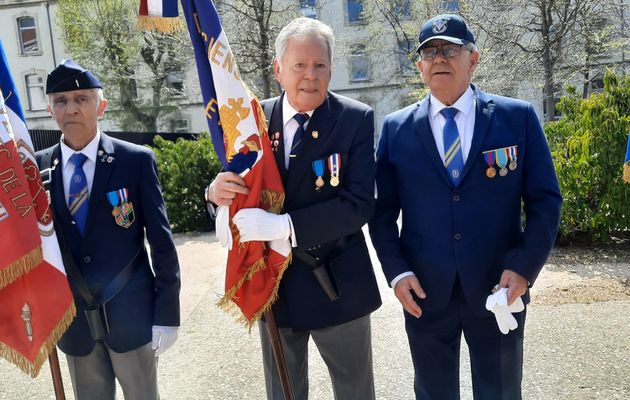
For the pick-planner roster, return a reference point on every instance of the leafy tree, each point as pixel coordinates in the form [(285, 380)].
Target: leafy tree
[(547, 41), (588, 147), (141, 71), (252, 27)]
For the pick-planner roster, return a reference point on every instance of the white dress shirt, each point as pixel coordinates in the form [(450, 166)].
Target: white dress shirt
[(465, 120), (289, 126), (88, 166)]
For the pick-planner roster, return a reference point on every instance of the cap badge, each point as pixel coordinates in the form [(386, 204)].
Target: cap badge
[(439, 25)]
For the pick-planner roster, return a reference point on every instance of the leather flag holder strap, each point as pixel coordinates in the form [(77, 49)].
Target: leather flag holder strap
[(318, 266)]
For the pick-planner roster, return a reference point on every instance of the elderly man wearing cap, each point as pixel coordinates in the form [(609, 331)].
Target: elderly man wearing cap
[(105, 195), (458, 165)]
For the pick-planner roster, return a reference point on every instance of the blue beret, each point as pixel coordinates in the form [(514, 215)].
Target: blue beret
[(449, 27), (70, 76)]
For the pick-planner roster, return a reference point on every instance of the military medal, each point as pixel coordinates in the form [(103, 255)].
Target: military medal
[(502, 161), (275, 141), (513, 152), (318, 170), (490, 171), (122, 208), (334, 165)]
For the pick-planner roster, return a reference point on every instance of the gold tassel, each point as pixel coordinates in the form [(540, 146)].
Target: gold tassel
[(32, 368), (166, 25), (274, 199), (227, 302), (20, 266), (626, 172)]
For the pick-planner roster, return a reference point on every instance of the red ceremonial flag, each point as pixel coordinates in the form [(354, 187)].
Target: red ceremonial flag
[(239, 134), (36, 304)]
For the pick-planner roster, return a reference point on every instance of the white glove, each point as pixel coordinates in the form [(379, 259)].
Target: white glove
[(163, 338), (497, 304), (222, 227), (257, 224)]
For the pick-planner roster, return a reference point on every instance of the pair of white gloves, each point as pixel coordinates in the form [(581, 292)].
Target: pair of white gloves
[(254, 224), (163, 338), (497, 304)]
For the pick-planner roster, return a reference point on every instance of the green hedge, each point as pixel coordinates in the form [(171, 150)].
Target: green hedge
[(588, 147), (185, 168)]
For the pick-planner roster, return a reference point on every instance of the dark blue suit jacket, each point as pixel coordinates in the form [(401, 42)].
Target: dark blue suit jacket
[(474, 231), (322, 217), (106, 248)]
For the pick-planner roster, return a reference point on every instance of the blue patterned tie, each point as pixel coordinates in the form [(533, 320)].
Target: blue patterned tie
[(299, 134), (453, 160), (78, 192)]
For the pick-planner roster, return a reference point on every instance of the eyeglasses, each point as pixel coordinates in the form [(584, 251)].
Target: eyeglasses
[(447, 50)]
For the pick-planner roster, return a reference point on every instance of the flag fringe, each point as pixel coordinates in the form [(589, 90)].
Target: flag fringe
[(228, 302), (626, 172), (274, 199), (33, 368), (161, 24), (21, 266)]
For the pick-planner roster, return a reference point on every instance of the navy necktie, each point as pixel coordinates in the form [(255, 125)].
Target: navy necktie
[(299, 134), (453, 159), (78, 192)]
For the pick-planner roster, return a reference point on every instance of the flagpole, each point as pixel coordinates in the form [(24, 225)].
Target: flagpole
[(278, 355), (55, 371)]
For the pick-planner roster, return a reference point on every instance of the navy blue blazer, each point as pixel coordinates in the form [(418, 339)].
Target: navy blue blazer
[(474, 231), (322, 217), (149, 298)]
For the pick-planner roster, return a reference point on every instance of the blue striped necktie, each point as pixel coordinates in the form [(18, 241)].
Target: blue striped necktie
[(453, 160), (299, 134), (78, 192)]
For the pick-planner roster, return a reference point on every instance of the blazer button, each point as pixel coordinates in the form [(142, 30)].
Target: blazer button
[(458, 236), (456, 198), (87, 259)]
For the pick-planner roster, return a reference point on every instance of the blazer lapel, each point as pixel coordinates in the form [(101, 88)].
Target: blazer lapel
[(275, 125), (423, 128), (484, 111), (322, 121), (105, 161)]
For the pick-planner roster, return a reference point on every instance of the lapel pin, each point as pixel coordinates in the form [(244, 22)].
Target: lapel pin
[(315, 134)]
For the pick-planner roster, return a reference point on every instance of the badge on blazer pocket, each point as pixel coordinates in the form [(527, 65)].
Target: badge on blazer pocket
[(122, 210)]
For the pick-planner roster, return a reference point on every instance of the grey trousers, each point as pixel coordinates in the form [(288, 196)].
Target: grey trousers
[(346, 349), (94, 376)]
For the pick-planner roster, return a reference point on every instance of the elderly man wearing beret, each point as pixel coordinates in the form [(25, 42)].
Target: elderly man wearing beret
[(465, 169), (105, 196)]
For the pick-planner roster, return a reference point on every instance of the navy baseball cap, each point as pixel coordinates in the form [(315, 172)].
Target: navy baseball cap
[(70, 76), (449, 27)]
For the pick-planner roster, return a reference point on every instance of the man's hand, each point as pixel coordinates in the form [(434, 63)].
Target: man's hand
[(516, 285), (225, 187), (403, 289), (257, 224)]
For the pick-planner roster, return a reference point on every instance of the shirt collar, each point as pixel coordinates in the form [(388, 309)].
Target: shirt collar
[(464, 104), (288, 111), (90, 150)]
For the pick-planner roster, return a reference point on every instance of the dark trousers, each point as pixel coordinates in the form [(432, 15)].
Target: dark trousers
[(496, 359)]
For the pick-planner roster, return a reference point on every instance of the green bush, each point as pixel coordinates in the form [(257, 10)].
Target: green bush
[(185, 168), (588, 147)]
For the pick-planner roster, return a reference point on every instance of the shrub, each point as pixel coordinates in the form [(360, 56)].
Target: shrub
[(588, 148), (185, 168)]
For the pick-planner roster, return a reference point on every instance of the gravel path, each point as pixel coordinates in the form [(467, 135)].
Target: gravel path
[(577, 342)]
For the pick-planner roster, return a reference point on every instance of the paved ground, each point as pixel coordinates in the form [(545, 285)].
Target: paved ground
[(577, 338)]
